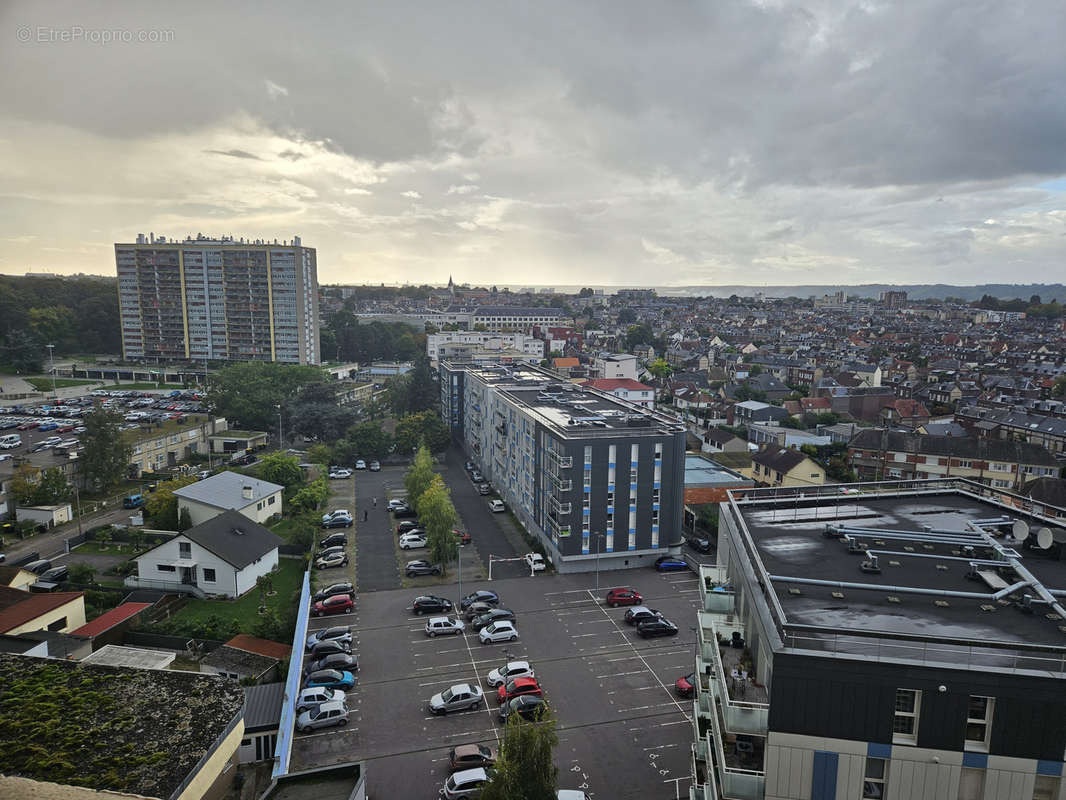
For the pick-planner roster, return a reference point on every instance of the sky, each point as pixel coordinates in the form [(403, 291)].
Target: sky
[(665, 143)]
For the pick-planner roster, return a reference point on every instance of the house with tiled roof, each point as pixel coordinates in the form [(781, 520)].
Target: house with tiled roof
[(909, 413), (111, 626), (246, 657), (626, 389), (22, 611), (785, 466)]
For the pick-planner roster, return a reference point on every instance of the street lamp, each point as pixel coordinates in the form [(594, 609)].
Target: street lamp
[(52, 358), (600, 539), (280, 438)]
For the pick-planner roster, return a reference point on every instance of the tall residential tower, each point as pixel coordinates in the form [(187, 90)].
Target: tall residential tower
[(218, 299)]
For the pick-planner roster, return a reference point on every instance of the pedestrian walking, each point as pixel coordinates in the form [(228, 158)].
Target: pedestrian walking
[(366, 515), (375, 502)]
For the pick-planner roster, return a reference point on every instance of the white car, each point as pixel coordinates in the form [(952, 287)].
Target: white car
[(316, 696), (323, 716), (340, 474), (510, 671), (412, 541), (535, 561), (332, 560), (438, 626), (501, 631), (497, 506), (360, 464), (397, 502), (465, 783), (340, 512)]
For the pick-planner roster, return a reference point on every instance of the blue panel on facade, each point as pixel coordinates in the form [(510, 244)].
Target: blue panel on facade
[(824, 779), (875, 750), (975, 760), (1049, 767), (657, 485)]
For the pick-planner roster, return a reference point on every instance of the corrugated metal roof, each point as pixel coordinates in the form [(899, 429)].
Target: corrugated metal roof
[(262, 706), (225, 490)]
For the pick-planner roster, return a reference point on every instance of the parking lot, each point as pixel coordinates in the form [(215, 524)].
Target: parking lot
[(622, 731)]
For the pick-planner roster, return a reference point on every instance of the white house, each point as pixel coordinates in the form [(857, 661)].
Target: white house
[(615, 365), (228, 491), (223, 556)]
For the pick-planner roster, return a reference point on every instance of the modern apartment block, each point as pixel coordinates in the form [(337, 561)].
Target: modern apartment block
[(590, 475), (222, 299), (901, 641)]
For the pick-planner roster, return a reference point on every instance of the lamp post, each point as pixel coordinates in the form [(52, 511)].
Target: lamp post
[(52, 358), (280, 437), (600, 538)]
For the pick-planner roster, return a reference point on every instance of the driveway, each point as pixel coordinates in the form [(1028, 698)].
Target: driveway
[(376, 568)]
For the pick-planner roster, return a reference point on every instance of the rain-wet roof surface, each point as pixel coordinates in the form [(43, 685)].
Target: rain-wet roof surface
[(791, 542)]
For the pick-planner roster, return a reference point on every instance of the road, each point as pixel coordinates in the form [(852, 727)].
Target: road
[(51, 544)]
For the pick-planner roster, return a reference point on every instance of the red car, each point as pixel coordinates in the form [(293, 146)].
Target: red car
[(624, 596), (685, 684), (337, 604), (518, 686), (64, 429), (462, 536)]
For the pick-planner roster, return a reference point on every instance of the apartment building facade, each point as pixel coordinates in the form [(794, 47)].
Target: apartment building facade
[(933, 673), (222, 299), (585, 472)]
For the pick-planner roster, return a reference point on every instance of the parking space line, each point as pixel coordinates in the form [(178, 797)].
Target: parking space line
[(620, 674)]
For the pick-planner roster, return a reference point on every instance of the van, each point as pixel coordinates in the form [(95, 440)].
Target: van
[(133, 501), (10, 441)]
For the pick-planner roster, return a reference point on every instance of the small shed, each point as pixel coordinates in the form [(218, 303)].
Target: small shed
[(48, 516)]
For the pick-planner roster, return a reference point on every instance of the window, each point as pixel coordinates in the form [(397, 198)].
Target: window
[(165, 567), (979, 722), (271, 500), (873, 782), (610, 498), (1046, 787), (58, 625), (185, 549), (209, 575), (905, 720)]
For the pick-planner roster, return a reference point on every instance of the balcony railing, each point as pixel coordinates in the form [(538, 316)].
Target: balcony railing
[(739, 715), (559, 506), (560, 461)]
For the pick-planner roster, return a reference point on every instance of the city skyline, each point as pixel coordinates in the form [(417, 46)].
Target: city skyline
[(738, 144)]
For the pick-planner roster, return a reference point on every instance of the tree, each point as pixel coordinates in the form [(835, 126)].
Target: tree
[(105, 457), (320, 454), (660, 369), (421, 389), (162, 505), (315, 415), (310, 497), (639, 334), (368, 439), (249, 393), (525, 769), (1059, 387), (419, 476), (626, 316), (82, 573), (437, 514), (427, 428), (375, 408), (279, 468), (184, 519)]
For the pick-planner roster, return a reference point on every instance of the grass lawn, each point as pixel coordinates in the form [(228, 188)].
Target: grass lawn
[(44, 384), (287, 580), (97, 549), (284, 528)]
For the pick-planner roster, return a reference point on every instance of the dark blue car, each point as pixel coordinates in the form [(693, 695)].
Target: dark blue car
[(670, 564)]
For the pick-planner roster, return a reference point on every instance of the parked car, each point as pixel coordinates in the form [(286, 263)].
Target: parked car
[(468, 756), (330, 679), (38, 567), (484, 489), (477, 477), (656, 627), (408, 525), (491, 616), (516, 687), (459, 697), (316, 696), (342, 662), (535, 561), (326, 552), (375, 466), (413, 541), (421, 567), (701, 544), (329, 648), (624, 596), (527, 706), (685, 685), (463, 537), (337, 604), (496, 506), (334, 540), (475, 610), (501, 631), (639, 614), (469, 466), (396, 502), (438, 626), (404, 512), (670, 564), (480, 596), (340, 474), (324, 716), (340, 512), (464, 784), (338, 521), (360, 464), (342, 633), (509, 671), (54, 575), (335, 560), (431, 604), (329, 591)]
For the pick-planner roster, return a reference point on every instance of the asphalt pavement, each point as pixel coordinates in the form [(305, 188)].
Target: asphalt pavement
[(376, 567)]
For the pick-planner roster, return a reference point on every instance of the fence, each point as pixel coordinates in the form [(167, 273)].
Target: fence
[(292, 550), (142, 639)]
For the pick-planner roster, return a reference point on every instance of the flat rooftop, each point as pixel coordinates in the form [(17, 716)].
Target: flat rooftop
[(911, 596), (702, 471), (113, 655)]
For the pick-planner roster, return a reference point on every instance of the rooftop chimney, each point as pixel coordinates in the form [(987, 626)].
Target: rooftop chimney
[(246, 492)]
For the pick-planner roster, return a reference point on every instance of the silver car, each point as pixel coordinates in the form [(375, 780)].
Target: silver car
[(456, 698), (316, 696), (324, 716)]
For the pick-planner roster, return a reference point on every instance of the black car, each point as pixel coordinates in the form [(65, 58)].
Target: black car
[(404, 512), (333, 540), (477, 609), (700, 544), (54, 575), (431, 604), (330, 647), (421, 567), (527, 706), (38, 567), (408, 525), (492, 615), (481, 596), (342, 662), (329, 591), (656, 627)]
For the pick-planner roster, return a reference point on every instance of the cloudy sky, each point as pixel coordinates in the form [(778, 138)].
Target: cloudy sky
[(628, 143)]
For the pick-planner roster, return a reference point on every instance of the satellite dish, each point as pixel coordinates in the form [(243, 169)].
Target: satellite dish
[(1020, 530), (1044, 538)]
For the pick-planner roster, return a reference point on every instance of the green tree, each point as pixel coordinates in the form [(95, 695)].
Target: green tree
[(1058, 389), (660, 369), (315, 415), (437, 514), (526, 767), (639, 334), (421, 388), (249, 393), (184, 519), (310, 496), (320, 454), (427, 428), (162, 504), (279, 468), (368, 440), (105, 457), (419, 476), (82, 573)]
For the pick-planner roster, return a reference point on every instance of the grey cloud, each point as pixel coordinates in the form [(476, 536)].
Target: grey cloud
[(291, 155), (235, 154)]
